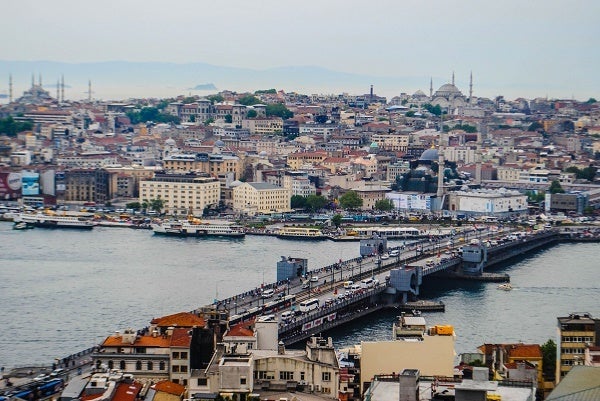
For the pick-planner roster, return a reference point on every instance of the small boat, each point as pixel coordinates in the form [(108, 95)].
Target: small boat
[(22, 226), (505, 287)]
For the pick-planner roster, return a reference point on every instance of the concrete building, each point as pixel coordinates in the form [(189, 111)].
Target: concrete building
[(182, 193), (251, 198), (394, 142), (263, 126), (414, 347), (87, 185), (576, 332), (500, 202), (209, 163)]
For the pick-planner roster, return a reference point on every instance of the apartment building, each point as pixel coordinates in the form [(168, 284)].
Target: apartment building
[(182, 193), (577, 332), (251, 198)]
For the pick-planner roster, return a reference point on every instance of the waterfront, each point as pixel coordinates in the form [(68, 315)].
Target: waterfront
[(63, 291)]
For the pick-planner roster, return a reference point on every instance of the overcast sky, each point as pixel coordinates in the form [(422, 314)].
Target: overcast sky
[(529, 48)]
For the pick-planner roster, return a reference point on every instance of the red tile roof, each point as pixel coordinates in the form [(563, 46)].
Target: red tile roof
[(525, 351), (240, 330), (127, 391), (169, 387), (181, 319)]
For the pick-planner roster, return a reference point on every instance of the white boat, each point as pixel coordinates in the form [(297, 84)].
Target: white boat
[(55, 221), (300, 233), (22, 226), (197, 228), (505, 287)]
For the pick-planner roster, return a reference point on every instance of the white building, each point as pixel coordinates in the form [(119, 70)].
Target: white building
[(487, 202), (251, 198)]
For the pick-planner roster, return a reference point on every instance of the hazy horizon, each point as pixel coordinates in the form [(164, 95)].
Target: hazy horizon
[(514, 48)]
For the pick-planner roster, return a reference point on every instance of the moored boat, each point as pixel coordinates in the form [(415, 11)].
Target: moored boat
[(48, 220), (304, 233), (505, 287), (196, 228), (22, 226)]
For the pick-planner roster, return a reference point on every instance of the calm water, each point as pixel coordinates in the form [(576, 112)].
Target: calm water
[(62, 291)]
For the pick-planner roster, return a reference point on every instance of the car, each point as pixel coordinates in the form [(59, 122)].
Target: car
[(287, 315), (314, 279), (58, 372), (40, 377), (306, 285)]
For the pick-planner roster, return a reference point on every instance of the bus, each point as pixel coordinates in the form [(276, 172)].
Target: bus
[(308, 305)]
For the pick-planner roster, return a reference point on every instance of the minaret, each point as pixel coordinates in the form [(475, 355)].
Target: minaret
[(471, 87), (431, 88), (58, 90), (452, 77), (62, 88), (32, 80), (40, 80), (90, 90), (10, 89)]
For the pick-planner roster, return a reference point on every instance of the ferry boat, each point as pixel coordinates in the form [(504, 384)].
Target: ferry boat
[(52, 220), (197, 228), (300, 233)]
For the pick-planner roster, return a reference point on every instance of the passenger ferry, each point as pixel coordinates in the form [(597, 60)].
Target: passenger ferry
[(197, 228), (389, 232), (53, 220), (300, 233)]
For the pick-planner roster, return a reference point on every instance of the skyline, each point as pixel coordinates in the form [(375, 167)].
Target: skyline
[(514, 49)]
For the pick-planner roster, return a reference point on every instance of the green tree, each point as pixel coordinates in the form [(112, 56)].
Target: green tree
[(157, 204), (336, 220), (549, 360), (556, 188), (350, 200), (410, 113), (11, 127), (133, 205), (189, 99), (298, 202), (228, 118), (435, 110), (248, 100), (215, 98), (534, 126), (591, 101), (251, 113), (315, 202), (279, 110), (151, 114), (384, 205), (265, 91), (209, 121)]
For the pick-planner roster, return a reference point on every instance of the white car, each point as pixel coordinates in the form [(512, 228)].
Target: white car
[(314, 279)]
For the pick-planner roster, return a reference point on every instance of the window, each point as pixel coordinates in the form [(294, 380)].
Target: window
[(202, 381), (122, 365), (301, 376), (285, 375), (138, 365), (175, 355), (161, 366), (183, 369), (150, 365), (242, 381), (326, 376), (175, 368)]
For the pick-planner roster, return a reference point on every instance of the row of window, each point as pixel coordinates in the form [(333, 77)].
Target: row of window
[(572, 350), (138, 365), (576, 339), (287, 375)]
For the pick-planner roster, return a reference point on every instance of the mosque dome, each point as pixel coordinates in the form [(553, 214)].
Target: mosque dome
[(220, 144), (419, 94), (374, 145), (447, 90), (235, 183), (430, 155), (170, 142), (263, 153)]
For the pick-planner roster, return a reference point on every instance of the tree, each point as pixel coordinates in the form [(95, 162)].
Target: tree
[(279, 110), (556, 188), (215, 98), (11, 127), (384, 205), (315, 202), (157, 204), (298, 202), (252, 113), (248, 100), (410, 113), (265, 91), (435, 110), (549, 360), (133, 205), (228, 118), (336, 220), (151, 114), (350, 200), (591, 101), (534, 126)]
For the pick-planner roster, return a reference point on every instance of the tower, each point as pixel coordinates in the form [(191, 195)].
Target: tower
[(452, 77), (58, 90), (62, 88), (371, 95), (431, 87), (40, 80), (10, 89), (90, 90), (32, 80), (470, 87)]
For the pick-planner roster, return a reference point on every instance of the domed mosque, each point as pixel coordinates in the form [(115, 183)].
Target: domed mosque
[(449, 97)]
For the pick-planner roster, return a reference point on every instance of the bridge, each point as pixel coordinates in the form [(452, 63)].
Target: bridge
[(395, 280)]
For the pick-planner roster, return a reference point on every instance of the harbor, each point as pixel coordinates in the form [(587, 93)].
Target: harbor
[(174, 253)]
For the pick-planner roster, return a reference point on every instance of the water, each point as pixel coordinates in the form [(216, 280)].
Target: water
[(62, 291)]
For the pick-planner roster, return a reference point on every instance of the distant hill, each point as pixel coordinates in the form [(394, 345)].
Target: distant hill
[(124, 79)]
